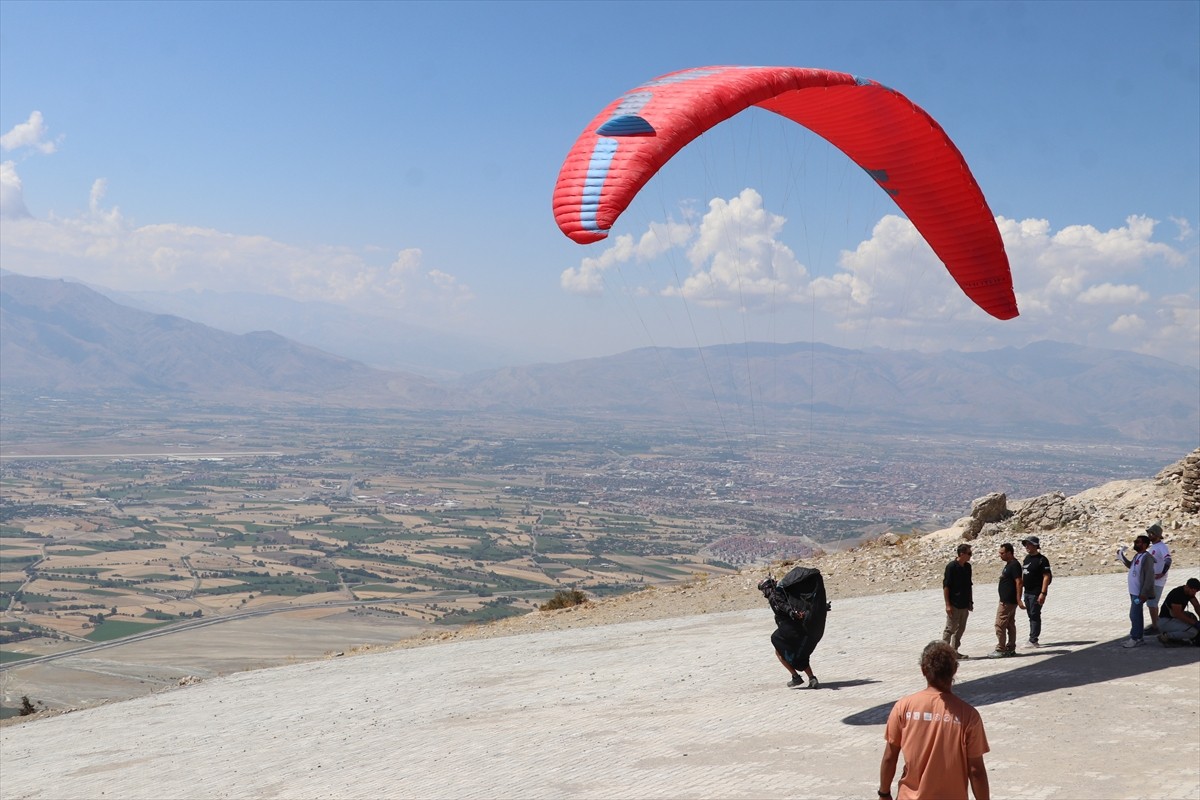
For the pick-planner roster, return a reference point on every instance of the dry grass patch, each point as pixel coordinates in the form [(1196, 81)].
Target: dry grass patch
[(524, 574)]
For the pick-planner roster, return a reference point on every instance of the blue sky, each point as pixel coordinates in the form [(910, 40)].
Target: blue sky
[(398, 158)]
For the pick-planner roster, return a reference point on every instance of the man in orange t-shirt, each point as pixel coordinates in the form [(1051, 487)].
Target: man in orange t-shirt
[(940, 735)]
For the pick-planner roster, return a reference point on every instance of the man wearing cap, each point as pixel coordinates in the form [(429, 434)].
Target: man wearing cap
[(1035, 582), (1179, 624), (1162, 563)]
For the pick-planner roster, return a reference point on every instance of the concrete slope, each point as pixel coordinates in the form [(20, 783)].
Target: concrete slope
[(692, 707)]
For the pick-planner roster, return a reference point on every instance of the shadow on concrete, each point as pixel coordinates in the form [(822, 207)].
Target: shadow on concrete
[(1103, 661), (846, 684)]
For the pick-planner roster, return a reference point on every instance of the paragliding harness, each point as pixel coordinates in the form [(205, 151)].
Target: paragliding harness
[(798, 596)]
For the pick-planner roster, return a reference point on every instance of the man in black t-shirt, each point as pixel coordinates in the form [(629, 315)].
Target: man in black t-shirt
[(956, 589), (1035, 581), (1006, 613), (1174, 620)]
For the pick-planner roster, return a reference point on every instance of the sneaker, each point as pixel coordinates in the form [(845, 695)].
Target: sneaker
[(813, 683), (1011, 650), (999, 652), (1152, 629), (797, 680), (960, 656), (1162, 637), (1133, 643), (1032, 643)]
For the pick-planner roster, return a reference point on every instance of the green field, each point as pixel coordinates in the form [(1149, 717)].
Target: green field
[(120, 629)]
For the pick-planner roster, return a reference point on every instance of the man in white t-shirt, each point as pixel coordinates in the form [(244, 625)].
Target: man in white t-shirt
[(1162, 563), (1141, 587)]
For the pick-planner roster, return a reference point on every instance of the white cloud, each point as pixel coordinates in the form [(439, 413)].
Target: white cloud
[(734, 252), (1079, 284), (1082, 284), (588, 278), (1185, 228), (31, 134), (659, 238), (737, 258), (1111, 294), (12, 198), (1128, 323), (102, 246), (1062, 262)]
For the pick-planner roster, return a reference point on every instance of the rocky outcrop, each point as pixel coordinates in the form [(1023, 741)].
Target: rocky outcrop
[(989, 509), (1189, 482), (1048, 511)]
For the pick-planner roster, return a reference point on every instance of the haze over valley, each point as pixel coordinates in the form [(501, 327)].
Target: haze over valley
[(60, 337)]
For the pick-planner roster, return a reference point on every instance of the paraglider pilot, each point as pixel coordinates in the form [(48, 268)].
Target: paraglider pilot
[(798, 602)]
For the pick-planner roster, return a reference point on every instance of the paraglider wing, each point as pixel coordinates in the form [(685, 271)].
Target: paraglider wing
[(899, 145)]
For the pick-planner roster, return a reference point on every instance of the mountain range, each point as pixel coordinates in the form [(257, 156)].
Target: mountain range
[(63, 337), (386, 343)]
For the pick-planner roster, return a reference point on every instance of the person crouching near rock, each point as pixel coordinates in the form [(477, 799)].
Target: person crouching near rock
[(793, 643), (941, 736)]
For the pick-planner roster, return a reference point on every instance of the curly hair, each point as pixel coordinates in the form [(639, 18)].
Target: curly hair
[(939, 662)]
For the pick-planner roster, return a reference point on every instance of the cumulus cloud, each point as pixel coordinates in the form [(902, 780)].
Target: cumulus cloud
[(1110, 294), (734, 252), (103, 246), (28, 135), (660, 237), (31, 134), (1079, 283), (12, 198), (1062, 263), (1127, 323), (737, 257)]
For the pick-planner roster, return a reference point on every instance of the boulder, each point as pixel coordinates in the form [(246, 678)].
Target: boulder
[(990, 508), (1051, 510), (972, 528)]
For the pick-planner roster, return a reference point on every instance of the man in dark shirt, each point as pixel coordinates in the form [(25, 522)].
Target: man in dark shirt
[(1178, 625), (956, 590), (1035, 581), (1006, 613)]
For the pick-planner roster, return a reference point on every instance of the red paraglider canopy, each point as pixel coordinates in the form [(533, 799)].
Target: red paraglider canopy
[(894, 140)]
